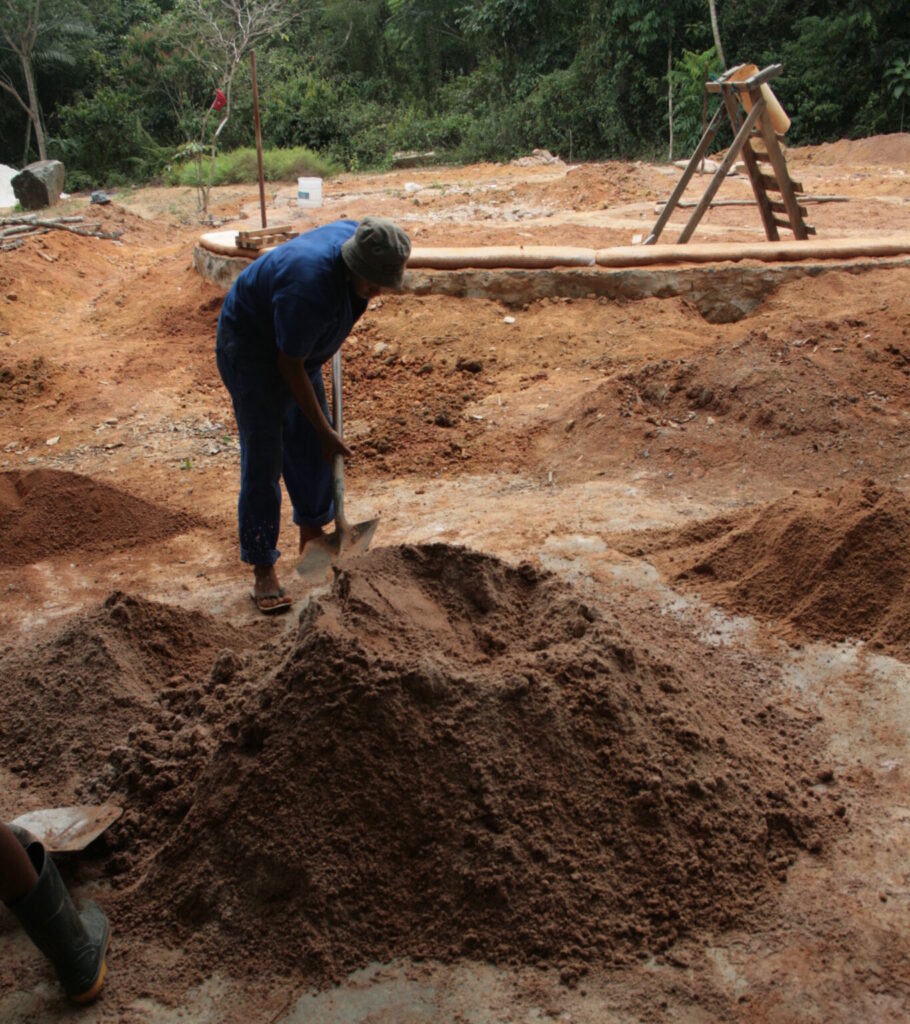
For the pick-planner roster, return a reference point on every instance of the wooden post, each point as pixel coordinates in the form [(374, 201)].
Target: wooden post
[(683, 182), (732, 153), (754, 171), (258, 138)]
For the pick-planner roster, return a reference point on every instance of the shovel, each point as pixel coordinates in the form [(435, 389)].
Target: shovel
[(68, 829), (345, 539)]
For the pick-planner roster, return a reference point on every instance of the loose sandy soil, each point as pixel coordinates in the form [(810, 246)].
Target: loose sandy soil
[(612, 723)]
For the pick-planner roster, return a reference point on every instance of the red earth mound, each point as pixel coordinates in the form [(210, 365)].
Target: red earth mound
[(77, 694), (454, 758), (46, 512), (833, 565)]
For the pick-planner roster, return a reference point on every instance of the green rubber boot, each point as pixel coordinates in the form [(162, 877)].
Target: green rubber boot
[(74, 941)]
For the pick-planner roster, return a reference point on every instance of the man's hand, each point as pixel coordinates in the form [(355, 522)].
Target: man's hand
[(332, 445)]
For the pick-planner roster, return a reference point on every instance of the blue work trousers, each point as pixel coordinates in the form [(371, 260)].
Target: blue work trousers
[(276, 440)]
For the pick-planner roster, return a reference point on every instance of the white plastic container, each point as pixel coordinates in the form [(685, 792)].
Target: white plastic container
[(309, 191)]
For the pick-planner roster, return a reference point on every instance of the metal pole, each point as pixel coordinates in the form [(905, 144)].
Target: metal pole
[(258, 138)]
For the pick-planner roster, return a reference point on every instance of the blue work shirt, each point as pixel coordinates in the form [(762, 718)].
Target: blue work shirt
[(296, 299)]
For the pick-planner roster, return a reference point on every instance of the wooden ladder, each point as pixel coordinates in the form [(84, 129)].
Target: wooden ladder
[(758, 142)]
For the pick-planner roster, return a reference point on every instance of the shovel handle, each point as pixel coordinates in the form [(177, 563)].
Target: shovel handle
[(338, 424)]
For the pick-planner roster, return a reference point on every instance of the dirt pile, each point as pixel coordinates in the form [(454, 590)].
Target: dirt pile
[(877, 150), (810, 397), (456, 758), (103, 680), (46, 512), (834, 564)]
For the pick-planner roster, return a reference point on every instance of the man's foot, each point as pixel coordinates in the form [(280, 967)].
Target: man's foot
[(267, 594), (308, 533)]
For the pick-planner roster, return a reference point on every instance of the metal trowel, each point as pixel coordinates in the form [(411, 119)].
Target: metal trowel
[(347, 538)]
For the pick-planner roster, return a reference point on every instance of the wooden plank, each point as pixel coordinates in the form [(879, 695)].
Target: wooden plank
[(277, 229), (787, 187), (263, 240), (779, 207), (753, 82), (786, 224)]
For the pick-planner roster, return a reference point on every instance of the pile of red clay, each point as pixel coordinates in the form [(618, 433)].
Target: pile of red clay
[(46, 512), (87, 694), (833, 565), (454, 758)]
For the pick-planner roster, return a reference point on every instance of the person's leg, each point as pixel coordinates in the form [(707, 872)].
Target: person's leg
[(260, 398), (307, 475), (74, 941), (17, 873)]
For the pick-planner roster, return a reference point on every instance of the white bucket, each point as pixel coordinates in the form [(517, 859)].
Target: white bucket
[(309, 191)]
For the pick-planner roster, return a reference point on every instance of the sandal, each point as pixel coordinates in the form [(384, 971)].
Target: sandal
[(272, 603)]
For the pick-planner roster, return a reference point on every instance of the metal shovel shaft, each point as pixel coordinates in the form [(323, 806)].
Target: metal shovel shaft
[(345, 539)]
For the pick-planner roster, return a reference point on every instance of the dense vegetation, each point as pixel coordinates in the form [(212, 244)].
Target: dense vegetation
[(123, 89)]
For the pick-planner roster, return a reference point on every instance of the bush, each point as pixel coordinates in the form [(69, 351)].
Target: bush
[(302, 111), (240, 166), (102, 141)]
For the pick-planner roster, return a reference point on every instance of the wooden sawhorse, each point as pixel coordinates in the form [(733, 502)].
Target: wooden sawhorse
[(766, 165)]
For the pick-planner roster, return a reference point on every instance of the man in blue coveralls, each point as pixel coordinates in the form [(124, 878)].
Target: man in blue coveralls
[(284, 317)]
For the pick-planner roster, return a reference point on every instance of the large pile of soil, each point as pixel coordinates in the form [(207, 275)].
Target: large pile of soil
[(72, 699), (456, 758), (46, 512), (833, 565)]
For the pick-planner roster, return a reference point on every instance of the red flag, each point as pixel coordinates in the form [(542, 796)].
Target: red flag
[(220, 100)]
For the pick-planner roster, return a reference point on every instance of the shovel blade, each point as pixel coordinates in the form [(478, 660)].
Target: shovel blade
[(325, 551), (68, 829)]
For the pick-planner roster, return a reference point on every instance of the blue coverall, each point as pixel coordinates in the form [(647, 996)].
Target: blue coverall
[(296, 300)]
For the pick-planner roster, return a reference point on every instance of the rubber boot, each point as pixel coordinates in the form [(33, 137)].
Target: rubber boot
[(74, 941)]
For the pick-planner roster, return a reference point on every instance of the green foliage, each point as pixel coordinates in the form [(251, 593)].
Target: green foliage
[(352, 81), (688, 78), (825, 54), (102, 141), (302, 110), (897, 78), (240, 166)]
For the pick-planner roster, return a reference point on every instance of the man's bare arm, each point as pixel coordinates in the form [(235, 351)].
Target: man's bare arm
[(294, 372)]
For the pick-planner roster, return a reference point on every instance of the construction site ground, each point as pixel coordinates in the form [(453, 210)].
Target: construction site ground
[(637, 575)]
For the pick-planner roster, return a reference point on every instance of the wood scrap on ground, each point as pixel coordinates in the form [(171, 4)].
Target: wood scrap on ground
[(13, 230), (687, 203), (262, 238)]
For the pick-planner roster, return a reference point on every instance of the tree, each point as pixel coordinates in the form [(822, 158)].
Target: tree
[(38, 32), (897, 75), (715, 30), (219, 35)]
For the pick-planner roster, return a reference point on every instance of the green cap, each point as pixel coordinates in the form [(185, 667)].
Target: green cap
[(377, 251)]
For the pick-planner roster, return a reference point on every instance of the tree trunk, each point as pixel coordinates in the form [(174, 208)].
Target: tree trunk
[(33, 112), (670, 95), (716, 30)]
